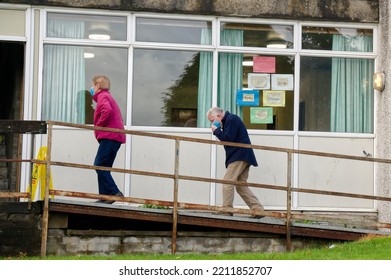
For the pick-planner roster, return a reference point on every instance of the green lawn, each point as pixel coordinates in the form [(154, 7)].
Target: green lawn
[(378, 248)]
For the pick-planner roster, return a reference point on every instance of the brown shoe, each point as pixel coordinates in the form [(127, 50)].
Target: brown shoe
[(257, 216), (221, 213)]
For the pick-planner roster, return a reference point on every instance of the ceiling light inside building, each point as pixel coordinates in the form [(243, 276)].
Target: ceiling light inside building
[(275, 40), (89, 55), (277, 43), (97, 36), (277, 46), (248, 63)]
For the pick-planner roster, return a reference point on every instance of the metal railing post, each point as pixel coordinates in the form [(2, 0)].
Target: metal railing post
[(45, 216), (175, 210), (289, 203)]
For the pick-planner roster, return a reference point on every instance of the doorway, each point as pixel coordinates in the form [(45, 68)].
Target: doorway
[(11, 96)]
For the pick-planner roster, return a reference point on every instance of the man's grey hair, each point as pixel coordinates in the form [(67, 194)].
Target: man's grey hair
[(214, 111)]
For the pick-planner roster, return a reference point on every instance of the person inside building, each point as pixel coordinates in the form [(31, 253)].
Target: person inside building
[(107, 114), (229, 127)]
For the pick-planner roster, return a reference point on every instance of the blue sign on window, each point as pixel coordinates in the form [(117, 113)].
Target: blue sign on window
[(246, 97)]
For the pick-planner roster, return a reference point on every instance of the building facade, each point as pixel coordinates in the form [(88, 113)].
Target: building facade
[(299, 74)]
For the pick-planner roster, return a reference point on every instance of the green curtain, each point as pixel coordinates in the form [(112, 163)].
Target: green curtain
[(64, 75), (351, 87), (205, 80), (230, 77)]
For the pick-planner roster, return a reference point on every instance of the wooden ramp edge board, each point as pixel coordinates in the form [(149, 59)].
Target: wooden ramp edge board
[(208, 219)]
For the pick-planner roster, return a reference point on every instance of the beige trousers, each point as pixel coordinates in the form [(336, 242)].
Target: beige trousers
[(238, 171)]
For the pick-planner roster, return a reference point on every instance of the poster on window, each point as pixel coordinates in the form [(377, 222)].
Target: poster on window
[(247, 97), (282, 82), (258, 81), (273, 98), (261, 115), (264, 64)]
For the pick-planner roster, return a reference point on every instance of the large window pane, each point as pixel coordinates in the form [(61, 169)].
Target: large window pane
[(336, 95), (337, 39), (95, 27), (272, 79), (173, 31), (68, 73), (171, 88), (258, 35)]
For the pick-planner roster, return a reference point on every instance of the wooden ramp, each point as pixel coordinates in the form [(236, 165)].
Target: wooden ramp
[(205, 219)]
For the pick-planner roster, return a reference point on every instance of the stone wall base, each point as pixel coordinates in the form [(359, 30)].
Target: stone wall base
[(62, 242)]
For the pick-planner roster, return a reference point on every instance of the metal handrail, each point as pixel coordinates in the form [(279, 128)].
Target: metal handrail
[(175, 204)]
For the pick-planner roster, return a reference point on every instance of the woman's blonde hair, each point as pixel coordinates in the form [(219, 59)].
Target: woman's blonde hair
[(104, 82)]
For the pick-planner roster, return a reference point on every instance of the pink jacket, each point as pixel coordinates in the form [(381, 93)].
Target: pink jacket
[(107, 114)]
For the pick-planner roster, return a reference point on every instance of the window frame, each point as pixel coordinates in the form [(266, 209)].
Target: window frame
[(215, 48), (45, 40), (338, 54)]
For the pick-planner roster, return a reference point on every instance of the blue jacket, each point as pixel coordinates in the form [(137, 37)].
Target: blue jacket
[(234, 130)]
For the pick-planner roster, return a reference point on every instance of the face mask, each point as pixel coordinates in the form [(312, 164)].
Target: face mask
[(92, 91), (217, 124)]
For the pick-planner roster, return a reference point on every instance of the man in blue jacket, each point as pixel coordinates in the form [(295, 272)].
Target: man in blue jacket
[(228, 127)]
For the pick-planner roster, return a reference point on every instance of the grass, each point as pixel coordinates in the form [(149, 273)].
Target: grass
[(369, 248)]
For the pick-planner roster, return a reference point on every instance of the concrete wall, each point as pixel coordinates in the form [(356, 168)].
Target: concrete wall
[(330, 10)]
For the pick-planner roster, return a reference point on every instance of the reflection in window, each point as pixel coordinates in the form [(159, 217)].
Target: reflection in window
[(68, 74), (94, 27), (261, 35), (336, 95), (338, 39), (171, 88), (172, 31)]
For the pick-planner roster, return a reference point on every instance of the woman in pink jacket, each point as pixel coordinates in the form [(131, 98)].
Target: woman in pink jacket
[(107, 114)]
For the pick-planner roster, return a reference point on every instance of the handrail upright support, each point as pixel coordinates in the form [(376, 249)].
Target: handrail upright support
[(45, 216), (175, 198), (289, 203)]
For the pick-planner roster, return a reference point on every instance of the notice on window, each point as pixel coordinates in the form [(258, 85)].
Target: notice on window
[(247, 97), (261, 115), (282, 82), (264, 64), (258, 81), (274, 98)]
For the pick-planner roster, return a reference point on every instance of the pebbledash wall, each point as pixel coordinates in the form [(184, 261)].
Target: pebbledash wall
[(383, 116)]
